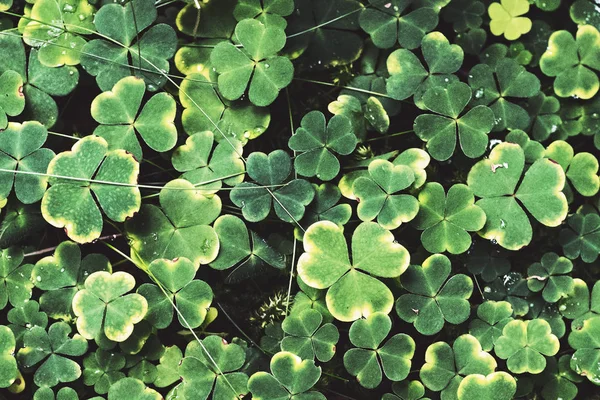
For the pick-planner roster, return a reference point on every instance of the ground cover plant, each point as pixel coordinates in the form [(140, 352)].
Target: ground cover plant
[(299, 199)]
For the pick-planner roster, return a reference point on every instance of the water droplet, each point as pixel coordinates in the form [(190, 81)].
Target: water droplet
[(562, 307), (595, 115), (38, 278), (554, 128), (502, 224), (479, 93), (62, 270), (388, 5), (71, 73), (81, 17), (267, 66), (68, 8), (487, 289), (494, 241)]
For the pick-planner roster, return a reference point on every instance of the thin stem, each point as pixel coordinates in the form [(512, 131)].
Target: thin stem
[(385, 95), (388, 136), (238, 328), (50, 249)]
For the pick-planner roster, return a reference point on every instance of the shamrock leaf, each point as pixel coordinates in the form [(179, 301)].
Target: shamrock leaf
[(104, 306), (507, 20), (309, 297), (406, 390), (124, 55), (494, 86), (24, 317), (533, 149), (366, 361), (408, 76), (307, 337), (117, 110), (544, 110), (248, 252), (316, 140), (290, 377), (325, 264), (191, 297), (8, 365), (559, 380), (433, 298), (52, 347), (102, 369), (15, 279), (464, 15), (176, 229), (378, 194), (386, 24), (573, 61), (69, 202), (439, 131), (497, 386), (582, 237), (495, 181), (200, 162), (133, 389), (255, 66), (218, 373), (289, 200), (551, 276), (445, 367), (580, 304), (418, 160), (524, 344), (269, 12), (20, 151), (584, 339), (325, 207), (492, 317), (446, 220), (57, 28), (12, 100), (488, 261), (581, 169), (62, 275), (511, 287)]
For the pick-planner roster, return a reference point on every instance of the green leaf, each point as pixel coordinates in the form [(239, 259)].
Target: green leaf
[(524, 344), (12, 100), (307, 337), (102, 369), (506, 18), (497, 386), (168, 367), (551, 277), (492, 317), (495, 181), (176, 229), (8, 365), (582, 237), (270, 12), (69, 203), (118, 113), (15, 279), (584, 339), (325, 264), (581, 169), (104, 306), (406, 390), (447, 219), (316, 141), (257, 68), (133, 389), (51, 349), (433, 298)]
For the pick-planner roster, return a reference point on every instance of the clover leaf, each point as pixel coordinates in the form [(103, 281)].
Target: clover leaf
[(506, 18), (464, 14), (544, 111), (406, 390), (200, 162), (447, 219), (132, 388), (309, 297), (176, 229), (533, 149), (495, 181), (551, 277), (269, 12), (117, 110), (316, 140), (446, 367), (167, 370), (433, 298), (15, 279), (8, 365), (386, 24), (53, 348), (492, 317), (511, 287), (290, 377), (255, 66), (418, 160), (367, 360), (24, 317), (191, 297), (559, 380), (104, 306), (57, 27), (378, 194), (218, 372), (580, 304), (325, 264), (488, 261), (307, 337), (126, 53), (69, 202), (12, 100), (524, 344), (62, 275), (325, 207), (102, 369), (289, 200), (494, 86), (573, 61), (584, 339), (497, 385), (581, 169), (408, 76), (20, 150), (582, 237), (439, 131)]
